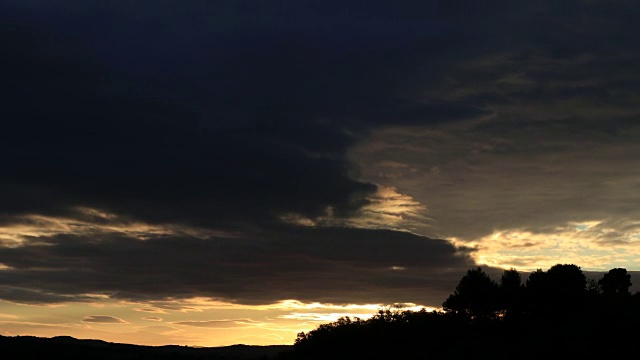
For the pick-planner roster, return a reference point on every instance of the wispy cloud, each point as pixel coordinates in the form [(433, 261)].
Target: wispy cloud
[(103, 319)]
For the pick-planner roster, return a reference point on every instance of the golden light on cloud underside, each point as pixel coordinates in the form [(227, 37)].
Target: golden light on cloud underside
[(590, 244), (391, 208), (89, 221), (199, 304), (387, 209)]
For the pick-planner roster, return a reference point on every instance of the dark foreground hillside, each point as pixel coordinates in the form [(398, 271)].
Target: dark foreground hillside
[(423, 335), (555, 314), (67, 348)]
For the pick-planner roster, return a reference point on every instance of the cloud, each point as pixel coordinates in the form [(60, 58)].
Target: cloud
[(152, 318), (554, 152), (226, 136), (138, 148), (103, 319), (39, 296), (494, 169), (247, 155), (335, 265), (154, 310)]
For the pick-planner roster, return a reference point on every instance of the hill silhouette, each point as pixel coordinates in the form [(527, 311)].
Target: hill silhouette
[(69, 348)]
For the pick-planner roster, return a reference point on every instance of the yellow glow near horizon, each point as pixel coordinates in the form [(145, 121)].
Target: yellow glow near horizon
[(196, 321), (191, 322), (201, 321)]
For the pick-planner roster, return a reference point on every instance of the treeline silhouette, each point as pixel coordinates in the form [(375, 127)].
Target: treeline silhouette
[(557, 313)]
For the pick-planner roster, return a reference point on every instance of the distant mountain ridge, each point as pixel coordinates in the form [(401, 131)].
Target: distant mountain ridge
[(67, 347)]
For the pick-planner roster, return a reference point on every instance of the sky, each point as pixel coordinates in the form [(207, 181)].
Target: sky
[(208, 173)]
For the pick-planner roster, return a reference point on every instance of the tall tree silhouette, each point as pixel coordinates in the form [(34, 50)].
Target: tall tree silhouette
[(476, 295), (511, 292)]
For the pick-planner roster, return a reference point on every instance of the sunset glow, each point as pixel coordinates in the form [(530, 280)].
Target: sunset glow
[(237, 172)]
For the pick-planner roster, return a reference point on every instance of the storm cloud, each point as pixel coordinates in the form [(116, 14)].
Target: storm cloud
[(359, 152), (333, 265)]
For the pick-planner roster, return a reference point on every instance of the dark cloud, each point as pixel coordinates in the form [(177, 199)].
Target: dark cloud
[(232, 116), (37, 295), (337, 265), (75, 141), (560, 84), (216, 115), (327, 265), (212, 114)]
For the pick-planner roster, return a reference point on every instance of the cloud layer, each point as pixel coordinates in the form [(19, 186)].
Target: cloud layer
[(360, 153)]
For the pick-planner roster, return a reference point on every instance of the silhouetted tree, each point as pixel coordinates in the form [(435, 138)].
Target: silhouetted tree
[(616, 281), (511, 292), (549, 314), (476, 295), (568, 285), (536, 290), (561, 289), (593, 287)]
